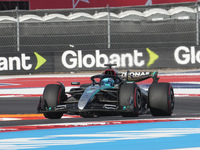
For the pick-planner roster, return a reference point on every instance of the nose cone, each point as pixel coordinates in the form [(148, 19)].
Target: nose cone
[(83, 102), (87, 96)]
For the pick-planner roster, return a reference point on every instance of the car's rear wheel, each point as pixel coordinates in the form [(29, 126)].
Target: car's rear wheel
[(161, 99), (52, 96), (130, 99)]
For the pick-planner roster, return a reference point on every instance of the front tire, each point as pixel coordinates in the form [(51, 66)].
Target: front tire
[(161, 99), (130, 99), (52, 96)]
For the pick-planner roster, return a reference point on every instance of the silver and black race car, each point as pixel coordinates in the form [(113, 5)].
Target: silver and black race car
[(110, 93)]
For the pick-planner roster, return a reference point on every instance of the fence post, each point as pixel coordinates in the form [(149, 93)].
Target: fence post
[(18, 38), (197, 23), (108, 26)]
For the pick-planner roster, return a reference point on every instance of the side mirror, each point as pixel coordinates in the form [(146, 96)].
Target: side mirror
[(75, 83)]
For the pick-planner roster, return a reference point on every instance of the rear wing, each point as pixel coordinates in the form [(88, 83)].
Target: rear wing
[(140, 76)]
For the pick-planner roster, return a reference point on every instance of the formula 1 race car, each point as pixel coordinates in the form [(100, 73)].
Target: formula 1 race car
[(110, 93)]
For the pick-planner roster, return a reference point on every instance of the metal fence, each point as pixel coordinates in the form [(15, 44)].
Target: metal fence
[(99, 28)]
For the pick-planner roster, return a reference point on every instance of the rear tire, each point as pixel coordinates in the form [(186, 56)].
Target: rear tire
[(130, 99), (161, 99), (52, 96)]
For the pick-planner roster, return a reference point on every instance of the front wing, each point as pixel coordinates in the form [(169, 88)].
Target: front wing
[(73, 107)]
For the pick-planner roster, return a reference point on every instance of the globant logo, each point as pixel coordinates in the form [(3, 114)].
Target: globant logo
[(22, 62), (76, 59), (184, 55)]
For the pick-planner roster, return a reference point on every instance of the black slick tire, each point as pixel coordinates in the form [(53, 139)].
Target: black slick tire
[(130, 99), (161, 99), (52, 96)]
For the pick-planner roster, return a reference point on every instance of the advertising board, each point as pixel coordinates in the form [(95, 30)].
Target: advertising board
[(25, 63), (87, 60)]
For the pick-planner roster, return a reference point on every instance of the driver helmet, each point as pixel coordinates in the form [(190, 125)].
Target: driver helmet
[(107, 82)]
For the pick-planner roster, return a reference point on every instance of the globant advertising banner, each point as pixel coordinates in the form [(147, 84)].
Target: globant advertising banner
[(147, 58), (26, 63), (90, 60)]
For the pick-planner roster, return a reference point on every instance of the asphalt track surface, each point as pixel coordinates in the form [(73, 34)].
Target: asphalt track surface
[(184, 107)]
